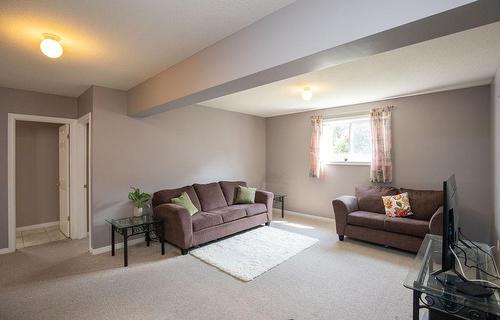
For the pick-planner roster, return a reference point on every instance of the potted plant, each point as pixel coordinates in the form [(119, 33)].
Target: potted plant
[(139, 199)]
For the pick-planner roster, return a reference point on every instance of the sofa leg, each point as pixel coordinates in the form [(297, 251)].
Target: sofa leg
[(184, 251), (341, 237), (268, 224)]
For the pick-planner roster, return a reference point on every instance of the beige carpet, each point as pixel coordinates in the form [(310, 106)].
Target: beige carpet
[(331, 280)]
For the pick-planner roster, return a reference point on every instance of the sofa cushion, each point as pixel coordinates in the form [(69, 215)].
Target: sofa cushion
[(366, 219), (398, 205), (230, 213), (164, 196), (424, 203), (412, 227), (229, 188), (210, 195), (246, 195), (203, 220), (252, 209), (370, 197), (184, 201)]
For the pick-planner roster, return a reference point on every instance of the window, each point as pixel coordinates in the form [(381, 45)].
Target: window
[(346, 140)]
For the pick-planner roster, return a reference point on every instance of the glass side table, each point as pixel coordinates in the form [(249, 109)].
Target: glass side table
[(130, 226), (280, 198), (445, 302)]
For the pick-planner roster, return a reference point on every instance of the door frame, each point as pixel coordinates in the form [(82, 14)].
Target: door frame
[(83, 176), (75, 213)]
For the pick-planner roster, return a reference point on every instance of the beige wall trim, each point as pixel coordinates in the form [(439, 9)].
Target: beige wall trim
[(37, 226), (118, 245), (299, 214)]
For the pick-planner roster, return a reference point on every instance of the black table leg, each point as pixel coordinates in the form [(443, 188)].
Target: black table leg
[(283, 208), (162, 244), (113, 240), (148, 239), (125, 247), (416, 305)]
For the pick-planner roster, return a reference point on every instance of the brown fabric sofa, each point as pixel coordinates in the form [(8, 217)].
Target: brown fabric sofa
[(363, 217), (219, 215)]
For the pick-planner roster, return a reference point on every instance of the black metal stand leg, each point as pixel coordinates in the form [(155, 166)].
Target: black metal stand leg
[(162, 246), (113, 240), (416, 305), (125, 247), (162, 239), (148, 238), (283, 208)]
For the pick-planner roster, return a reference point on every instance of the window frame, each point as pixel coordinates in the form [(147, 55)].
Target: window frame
[(340, 118)]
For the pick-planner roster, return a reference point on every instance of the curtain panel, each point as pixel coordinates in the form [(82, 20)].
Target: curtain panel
[(315, 166), (381, 166)]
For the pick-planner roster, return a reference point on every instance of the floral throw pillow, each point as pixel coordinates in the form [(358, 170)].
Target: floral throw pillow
[(397, 205)]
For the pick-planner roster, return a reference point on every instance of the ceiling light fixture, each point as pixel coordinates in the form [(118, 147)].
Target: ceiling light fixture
[(307, 93), (50, 46)]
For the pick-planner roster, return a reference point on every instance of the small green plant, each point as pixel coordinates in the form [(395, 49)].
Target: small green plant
[(140, 199)]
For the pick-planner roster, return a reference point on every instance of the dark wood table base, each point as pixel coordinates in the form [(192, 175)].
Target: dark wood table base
[(145, 229)]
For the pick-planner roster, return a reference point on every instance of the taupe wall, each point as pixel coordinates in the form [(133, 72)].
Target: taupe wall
[(26, 102), (189, 145), (495, 103), (37, 173), (434, 135), (85, 101)]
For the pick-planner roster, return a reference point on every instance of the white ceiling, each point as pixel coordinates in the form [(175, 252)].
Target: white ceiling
[(460, 60), (112, 43)]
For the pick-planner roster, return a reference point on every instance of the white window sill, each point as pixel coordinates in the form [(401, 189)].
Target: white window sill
[(348, 163)]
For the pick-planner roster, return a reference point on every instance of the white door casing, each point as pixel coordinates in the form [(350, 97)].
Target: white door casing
[(64, 221), (78, 228)]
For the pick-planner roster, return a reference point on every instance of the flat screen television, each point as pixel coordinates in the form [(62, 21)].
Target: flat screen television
[(450, 223)]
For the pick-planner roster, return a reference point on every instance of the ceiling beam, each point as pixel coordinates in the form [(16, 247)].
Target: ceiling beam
[(304, 37)]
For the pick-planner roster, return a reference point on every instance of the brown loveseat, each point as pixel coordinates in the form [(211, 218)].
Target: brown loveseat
[(363, 217), (218, 217)]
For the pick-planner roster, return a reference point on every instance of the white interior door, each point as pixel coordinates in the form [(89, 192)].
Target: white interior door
[(64, 179)]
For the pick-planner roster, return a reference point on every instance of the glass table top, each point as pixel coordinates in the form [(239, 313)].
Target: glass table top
[(130, 222), (428, 261)]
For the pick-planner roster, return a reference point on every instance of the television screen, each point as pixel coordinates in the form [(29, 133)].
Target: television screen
[(450, 222)]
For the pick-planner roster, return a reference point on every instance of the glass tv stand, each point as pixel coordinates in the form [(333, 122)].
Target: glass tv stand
[(443, 300)]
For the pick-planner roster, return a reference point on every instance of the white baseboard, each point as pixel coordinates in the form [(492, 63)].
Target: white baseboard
[(117, 246), (5, 250), (40, 225), (293, 213)]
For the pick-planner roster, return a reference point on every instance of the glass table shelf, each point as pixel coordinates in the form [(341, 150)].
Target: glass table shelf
[(433, 293)]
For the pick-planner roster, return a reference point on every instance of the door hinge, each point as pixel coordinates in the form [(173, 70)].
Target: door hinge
[(85, 186), (67, 136), (69, 218)]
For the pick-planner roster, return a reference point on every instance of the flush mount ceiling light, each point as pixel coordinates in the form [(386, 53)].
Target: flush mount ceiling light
[(50, 46), (307, 93)]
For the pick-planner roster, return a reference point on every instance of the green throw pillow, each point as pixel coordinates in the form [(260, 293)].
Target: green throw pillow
[(184, 201), (246, 195)]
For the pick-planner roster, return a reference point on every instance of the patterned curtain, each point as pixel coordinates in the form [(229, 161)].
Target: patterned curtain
[(381, 167), (315, 167)]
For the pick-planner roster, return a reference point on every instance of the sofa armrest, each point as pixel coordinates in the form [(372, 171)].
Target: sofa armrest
[(436, 222), (177, 224), (342, 206), (266, 198)]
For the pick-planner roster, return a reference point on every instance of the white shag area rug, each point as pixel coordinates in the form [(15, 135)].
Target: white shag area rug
[(248, 255)]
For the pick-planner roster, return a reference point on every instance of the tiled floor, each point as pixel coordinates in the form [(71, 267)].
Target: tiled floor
[(38, 236)]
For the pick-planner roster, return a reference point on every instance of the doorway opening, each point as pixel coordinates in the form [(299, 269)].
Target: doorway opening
[(49, 179), (42, 175)]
